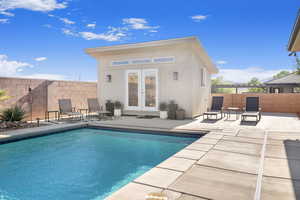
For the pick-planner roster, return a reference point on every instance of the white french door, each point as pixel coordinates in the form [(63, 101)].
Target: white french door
[(142, 90)]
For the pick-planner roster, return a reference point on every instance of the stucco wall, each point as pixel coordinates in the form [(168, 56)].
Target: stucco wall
[(45, 94), (181, 90), (282, 102)]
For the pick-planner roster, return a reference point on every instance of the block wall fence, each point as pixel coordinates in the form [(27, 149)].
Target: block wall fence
[(45, 94), (282, 102)]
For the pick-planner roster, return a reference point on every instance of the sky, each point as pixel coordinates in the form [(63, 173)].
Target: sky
[(47, 38)]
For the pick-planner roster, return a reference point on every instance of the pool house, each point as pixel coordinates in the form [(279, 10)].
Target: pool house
[(142, 75)]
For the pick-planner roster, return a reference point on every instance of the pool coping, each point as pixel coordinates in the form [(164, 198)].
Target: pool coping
[(21, 134)]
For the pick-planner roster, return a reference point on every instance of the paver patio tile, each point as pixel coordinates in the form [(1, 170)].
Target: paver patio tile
[(280, 189), (275, 142), (189, 197), (282, 168), (200, 147), (239, 147), (251, 133), (172, 195), (280, 151), (204, 140), (216, 184), (158, 177), (243, 139), (284, 142), (231, 161), (179, 164), (133, 191), (213, 135), (190, 154), (284, 135)]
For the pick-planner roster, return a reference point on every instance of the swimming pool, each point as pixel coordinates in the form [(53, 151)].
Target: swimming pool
[(80, 164)]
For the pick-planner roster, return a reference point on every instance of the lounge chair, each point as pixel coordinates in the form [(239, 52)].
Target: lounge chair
[(94, 108), (216, 107), (252, 109), (65, 108)]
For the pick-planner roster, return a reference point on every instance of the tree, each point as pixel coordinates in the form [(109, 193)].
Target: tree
[(281, 74), (253, 82), (3, 95), (220, 81)]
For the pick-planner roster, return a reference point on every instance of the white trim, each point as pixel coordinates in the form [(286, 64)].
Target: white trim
[(166, 57), (120, 61), (141, 90), (131, 61), (135, 61)]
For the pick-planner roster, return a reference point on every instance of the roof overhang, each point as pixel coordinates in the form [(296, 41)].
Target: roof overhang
[(294, 42), (105, 50)]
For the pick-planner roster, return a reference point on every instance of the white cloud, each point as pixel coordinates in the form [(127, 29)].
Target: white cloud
[(138, 23), (66, 21), (46, 76), (102, 36), (245, 75), (221, 62), (91, 25), (35, 5), (4, 21), (68, 32), (39, 59), (9, 14), (198, 18), (9, 67)]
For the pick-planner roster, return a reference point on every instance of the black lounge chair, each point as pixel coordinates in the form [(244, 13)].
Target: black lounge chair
[(65, 108), (252, 109), (94, 108), (216, 107)]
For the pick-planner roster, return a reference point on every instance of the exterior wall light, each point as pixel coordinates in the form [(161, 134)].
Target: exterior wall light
[(108, 78), (175, 76)]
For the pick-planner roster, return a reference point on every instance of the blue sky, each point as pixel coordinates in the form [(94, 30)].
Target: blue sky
[(46, 38)]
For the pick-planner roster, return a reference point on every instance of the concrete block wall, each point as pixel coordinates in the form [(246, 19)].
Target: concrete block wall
[(282, 102), (45, 94)]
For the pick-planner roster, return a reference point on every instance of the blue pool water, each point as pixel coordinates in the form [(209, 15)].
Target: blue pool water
[(80, 164)]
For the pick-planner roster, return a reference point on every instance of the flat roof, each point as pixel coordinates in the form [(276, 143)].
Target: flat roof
[(200, 50), (294, 41)]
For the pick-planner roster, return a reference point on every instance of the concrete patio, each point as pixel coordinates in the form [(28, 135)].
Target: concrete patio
[(232, 161), (269, 121)]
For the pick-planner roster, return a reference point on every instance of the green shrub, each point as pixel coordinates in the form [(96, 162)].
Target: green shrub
[(13, 114)]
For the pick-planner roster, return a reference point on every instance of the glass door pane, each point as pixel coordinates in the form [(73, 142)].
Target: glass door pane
[(133, 89), (150, 89)]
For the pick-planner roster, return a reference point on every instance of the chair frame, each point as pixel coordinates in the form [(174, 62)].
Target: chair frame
[(247, 112), (72, 112), (213, 111)]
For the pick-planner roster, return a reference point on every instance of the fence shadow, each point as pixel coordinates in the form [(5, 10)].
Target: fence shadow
[(292, 148), (35, 102)]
